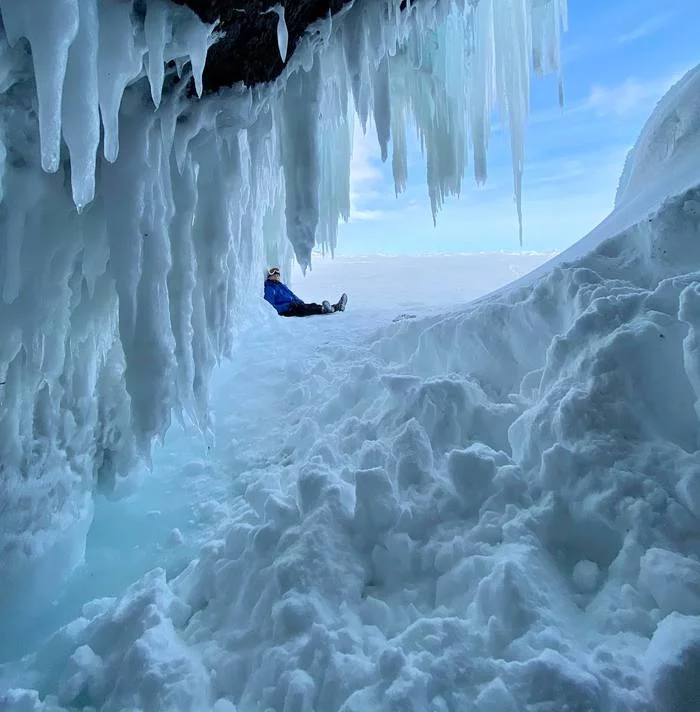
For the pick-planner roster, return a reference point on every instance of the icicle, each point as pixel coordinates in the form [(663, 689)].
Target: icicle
[(49, 37), (119, 62), (481, 104), (156, 29), (191, 40), (399, 161), (282, 33), (335, 150), (354, 43), (198, 40), (181, 282), (300, 159), (81, 118), (382, 106), (152, 342), (513, 40)]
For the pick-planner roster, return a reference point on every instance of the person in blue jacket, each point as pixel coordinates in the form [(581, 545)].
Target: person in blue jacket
[(287, 303)]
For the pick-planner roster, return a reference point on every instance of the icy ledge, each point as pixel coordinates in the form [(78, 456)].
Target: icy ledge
[(113, 314)]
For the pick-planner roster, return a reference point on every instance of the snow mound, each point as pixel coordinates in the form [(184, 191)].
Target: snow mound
[(667, 141), (672, 664)]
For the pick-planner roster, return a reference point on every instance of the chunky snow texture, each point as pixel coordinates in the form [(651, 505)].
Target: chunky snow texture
[(135, 222)]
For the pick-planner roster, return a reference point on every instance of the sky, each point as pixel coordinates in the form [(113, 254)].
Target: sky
[(618, 59)]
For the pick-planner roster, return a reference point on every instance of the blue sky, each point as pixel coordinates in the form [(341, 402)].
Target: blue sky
[(619, 57)]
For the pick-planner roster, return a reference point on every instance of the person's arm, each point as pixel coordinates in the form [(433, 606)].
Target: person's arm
[(269, 293), (290, 294), (274, 296)]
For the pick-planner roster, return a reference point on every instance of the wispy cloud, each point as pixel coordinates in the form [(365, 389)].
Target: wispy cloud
[(645, 29), (618, 100), (631, 95), (366, 181), (365, 215)]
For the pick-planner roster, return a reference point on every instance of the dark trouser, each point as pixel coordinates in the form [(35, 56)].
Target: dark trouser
[(302, 309)]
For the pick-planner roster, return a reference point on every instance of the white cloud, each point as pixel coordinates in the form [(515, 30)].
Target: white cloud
[(630, 95), (643, 30), (365, 175), (365, 215), (633, 95), (365, 152)]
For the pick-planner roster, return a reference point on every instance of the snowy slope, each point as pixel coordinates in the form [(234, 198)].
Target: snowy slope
[(662, 164), (493, 509)]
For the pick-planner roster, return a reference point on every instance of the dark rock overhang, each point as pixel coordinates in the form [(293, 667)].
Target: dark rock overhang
[(248, 51)]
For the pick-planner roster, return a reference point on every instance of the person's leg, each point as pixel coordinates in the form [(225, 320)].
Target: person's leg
[(303, 309)]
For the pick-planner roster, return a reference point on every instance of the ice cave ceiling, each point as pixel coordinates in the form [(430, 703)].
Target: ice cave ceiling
[(247, 51)]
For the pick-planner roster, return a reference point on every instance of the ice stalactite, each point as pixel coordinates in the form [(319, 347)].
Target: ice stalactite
[(114, 316), (135, 220), (300, 158), (50, 41), (282, 32)]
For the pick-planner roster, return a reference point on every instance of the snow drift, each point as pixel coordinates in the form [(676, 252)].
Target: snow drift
[(495, 509), (135, 221)]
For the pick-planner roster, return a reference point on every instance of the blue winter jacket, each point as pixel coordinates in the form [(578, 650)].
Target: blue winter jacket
[(280, 296)]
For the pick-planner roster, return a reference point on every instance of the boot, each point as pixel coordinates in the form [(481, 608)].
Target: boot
[(340, 305)]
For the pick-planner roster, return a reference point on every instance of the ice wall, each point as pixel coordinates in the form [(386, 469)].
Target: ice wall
[(135, 220)]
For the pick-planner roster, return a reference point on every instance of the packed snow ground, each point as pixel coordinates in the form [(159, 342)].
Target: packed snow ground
[(492, 508), (415, 282)]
